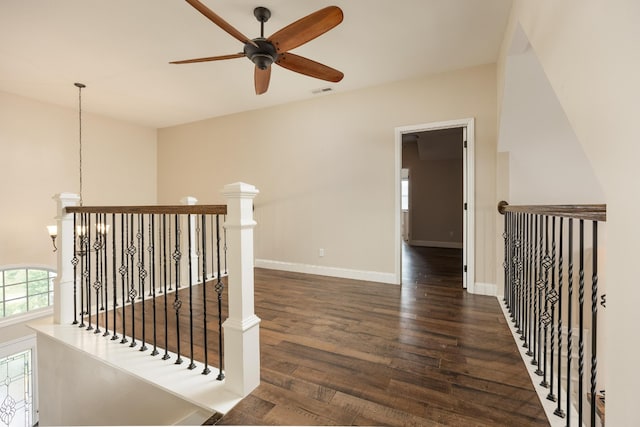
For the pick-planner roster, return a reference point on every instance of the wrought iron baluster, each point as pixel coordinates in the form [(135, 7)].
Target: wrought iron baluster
[(189, 244), (142, 275), (558, 411), (546, 317), (594, 323), (552, 297), (525, 281), (123, 274), (581, 323), (177, 303), (569, 319), (505, 265), (83, 267), (114, 277), (132, 286), (517, 265), (74, 262), (225, 246), (152, 262), (164, 285), (105, 276), (88, 282), (536, 275), (219, 289), (203, 220), (530, 293)]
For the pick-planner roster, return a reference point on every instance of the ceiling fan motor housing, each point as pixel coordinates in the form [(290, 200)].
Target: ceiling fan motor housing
[(264, 55)]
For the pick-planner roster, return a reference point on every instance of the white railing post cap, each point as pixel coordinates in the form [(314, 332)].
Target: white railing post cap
[(238, 189)]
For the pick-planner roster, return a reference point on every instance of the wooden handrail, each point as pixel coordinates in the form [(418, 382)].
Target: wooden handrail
[(594, 212), (166, 209)]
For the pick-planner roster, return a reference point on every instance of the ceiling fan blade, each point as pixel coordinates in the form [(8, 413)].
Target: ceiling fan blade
[(308, 67), (261, 79), (209, 58), (306, 29), (213, 17)]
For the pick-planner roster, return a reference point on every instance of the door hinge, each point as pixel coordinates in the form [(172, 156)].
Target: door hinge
[(465, 268), (465, 206), (465, 144)]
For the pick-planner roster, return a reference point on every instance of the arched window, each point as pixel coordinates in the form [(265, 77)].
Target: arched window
[(24, 289)]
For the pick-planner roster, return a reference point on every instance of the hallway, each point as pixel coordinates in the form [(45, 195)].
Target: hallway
[(346, 352)]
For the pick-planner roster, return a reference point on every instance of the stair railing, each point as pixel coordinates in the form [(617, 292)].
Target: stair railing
[(547, 300), (149, 276)]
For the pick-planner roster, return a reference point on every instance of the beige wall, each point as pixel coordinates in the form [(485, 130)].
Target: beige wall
[(39, 158), (589, 52), (435, 187), (325, 167)]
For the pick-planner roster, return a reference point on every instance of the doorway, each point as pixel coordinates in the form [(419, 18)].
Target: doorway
[(464, 128)]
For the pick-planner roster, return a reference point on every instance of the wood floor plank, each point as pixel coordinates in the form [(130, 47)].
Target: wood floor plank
[(424, 354)]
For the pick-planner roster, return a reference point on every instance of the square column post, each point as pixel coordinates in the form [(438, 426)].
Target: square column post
[(241, 329), (190, 201), (63, 283)]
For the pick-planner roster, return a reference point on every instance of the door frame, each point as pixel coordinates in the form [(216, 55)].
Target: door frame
[(468, 232)]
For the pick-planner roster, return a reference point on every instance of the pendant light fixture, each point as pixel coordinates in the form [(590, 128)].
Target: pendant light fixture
[(52, 229)]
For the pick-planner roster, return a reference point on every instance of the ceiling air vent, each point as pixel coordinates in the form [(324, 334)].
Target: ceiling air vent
[(323, 90)]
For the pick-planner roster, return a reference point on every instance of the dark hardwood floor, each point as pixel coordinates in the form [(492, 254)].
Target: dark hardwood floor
[(346, 352)]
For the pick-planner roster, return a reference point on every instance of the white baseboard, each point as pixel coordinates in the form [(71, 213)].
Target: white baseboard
[(490, 289), (435, 244), (344, 273)]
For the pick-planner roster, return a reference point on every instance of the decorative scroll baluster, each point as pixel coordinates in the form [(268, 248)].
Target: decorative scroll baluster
[(552, 298), (177, 303), (142, 274), (546, 317), (514, 260), (132, 287), (505, 265), (74, 262), (537, 333), (123, 274), (518, 271), (219, 289), (88, 281), (594, 324)]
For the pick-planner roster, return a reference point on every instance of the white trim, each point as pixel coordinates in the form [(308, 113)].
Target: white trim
[(344, 273), (436, 244), (469, 233), (489, 289)]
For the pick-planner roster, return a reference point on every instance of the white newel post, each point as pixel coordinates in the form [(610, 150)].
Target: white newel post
[(189, 200), (63, 283), (241, 329)]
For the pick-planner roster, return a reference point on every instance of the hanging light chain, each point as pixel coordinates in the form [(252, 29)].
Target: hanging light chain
[(80, 86)]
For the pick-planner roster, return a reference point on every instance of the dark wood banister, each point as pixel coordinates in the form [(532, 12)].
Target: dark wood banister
[(596, 212), (166, 209)]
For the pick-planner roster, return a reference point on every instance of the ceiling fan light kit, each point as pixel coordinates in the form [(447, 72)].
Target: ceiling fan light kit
[(264, 52)]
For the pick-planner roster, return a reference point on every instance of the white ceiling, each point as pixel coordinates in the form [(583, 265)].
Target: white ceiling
[(121, 48)]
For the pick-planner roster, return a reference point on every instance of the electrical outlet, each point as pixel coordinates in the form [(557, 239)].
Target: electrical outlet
[(321, 252)]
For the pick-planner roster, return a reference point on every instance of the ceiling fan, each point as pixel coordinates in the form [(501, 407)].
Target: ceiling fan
[(275, 49)]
